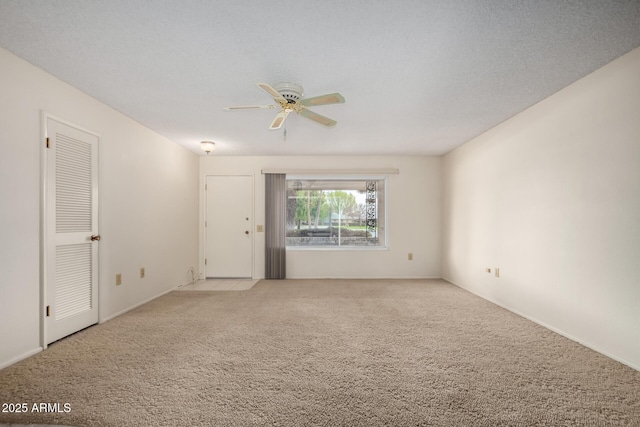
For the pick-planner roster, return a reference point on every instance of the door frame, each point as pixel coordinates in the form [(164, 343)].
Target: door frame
[(44, 116), (203, 267)]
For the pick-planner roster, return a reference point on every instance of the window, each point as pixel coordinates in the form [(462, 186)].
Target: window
[(335, 212)]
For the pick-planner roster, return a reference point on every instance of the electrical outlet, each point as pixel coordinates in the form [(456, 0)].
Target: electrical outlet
[(118, 279), (142, 273), (497, 272), (410, 256)]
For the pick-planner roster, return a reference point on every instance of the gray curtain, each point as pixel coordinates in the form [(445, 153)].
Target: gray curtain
[(275, 225)]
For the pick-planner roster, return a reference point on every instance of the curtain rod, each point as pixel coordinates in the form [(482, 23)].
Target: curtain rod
[(388, 171)]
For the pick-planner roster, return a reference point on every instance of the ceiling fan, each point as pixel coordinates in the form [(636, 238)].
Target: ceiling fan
[(288, 98)]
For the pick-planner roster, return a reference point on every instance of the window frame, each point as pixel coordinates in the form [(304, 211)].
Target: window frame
[(382, 226)]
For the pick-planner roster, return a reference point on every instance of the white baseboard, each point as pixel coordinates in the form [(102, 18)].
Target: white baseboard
[(19, 358), (550, 327), (30, 353), (121, 312)]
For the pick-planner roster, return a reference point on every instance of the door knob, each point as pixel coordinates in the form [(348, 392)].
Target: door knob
[(246, 232), (95, 237)]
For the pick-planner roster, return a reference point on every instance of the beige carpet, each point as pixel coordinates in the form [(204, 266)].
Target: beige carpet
[(323, 353)]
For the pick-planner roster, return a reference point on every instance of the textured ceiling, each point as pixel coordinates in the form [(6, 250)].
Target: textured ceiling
[(419, 77)]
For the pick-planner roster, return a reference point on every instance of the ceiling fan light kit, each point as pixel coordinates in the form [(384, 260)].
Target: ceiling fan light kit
[(289, 98)]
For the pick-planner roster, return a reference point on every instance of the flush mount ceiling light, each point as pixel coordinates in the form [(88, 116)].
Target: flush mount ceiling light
[(208, 146)]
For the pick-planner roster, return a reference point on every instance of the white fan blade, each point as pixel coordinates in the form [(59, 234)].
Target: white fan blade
[(271, 91), (331, 98), (317, 117), (249, 107), (279, 120)]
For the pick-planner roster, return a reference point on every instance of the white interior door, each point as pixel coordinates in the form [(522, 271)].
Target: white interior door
[(229, 226), (71, 230)]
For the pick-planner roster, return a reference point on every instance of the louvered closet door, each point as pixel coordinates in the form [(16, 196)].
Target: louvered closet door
[(71, 266)]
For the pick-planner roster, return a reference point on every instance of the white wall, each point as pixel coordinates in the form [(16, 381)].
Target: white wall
[(414, 209), (552, 197), (149, 199)]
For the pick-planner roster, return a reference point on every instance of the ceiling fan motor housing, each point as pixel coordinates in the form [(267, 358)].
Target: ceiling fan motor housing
[(292, 92)]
